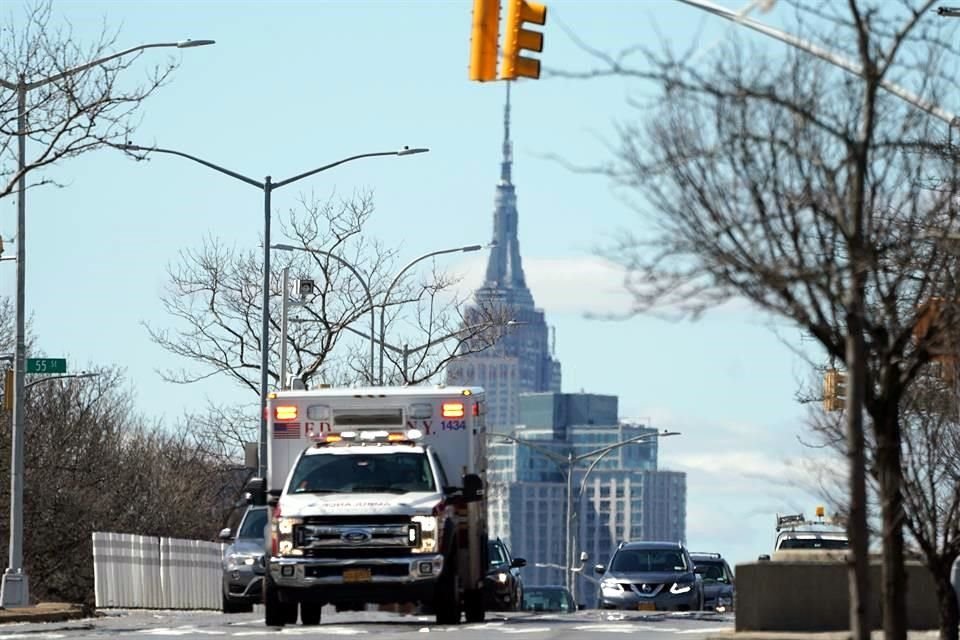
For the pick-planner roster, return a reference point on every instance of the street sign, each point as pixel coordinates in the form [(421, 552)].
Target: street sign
[(46, 365)]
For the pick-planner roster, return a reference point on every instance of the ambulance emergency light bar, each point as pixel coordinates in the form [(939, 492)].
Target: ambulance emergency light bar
[(374, 417), (375, 436)]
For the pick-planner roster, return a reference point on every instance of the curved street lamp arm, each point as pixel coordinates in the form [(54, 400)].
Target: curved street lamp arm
[(215, 167), (356, 274), (583, 480), (386, 345), (835, 59), (83, 67), (441, 339), (281, 183), (616, 445), (554, 457), (396, 279), (61, 377)]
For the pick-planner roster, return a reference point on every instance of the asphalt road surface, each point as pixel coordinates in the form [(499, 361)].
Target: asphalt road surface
[(583, 625)]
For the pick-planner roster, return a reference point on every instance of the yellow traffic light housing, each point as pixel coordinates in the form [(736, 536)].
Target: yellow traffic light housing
[(484, 40), (517, 39), (834, 390)]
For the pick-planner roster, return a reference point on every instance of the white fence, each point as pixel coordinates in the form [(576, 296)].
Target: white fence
[(145, 572)]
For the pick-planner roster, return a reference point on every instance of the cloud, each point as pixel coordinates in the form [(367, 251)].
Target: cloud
[(576, 284)]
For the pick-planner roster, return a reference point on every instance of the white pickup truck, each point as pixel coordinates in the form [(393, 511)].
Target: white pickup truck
[(377, 496)]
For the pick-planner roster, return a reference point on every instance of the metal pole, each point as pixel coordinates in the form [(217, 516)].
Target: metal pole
[(265, 331), (373, 327), (285, 309), (568, 559), (383, 311), (14, 591)]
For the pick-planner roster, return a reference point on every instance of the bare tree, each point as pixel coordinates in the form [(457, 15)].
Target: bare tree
[(77, 113), (93, 464), (806, 190), (213, 296), (930, 417)]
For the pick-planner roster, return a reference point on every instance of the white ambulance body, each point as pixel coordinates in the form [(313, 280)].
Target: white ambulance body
[(337, 538)]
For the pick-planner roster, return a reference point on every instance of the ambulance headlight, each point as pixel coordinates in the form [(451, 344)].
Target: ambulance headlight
[(428, 527)]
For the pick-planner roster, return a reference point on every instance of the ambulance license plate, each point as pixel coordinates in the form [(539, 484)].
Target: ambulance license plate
[(356, 575)]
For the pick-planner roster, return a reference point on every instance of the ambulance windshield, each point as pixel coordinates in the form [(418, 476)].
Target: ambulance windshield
[(400, 472)]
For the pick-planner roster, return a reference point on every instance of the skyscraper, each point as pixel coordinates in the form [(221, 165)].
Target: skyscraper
[(617, 496), (522, 360)]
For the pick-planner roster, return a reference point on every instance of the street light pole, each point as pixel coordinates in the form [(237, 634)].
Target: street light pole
[(284, 310), (396, 279), (824, 54), (14, 587), (356, 274), (567, 465), (268, 187)]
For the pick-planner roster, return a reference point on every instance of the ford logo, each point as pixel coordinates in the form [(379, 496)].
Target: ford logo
[(356, 536)]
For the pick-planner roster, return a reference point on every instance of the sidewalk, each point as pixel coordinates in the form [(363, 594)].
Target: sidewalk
[(812, 635), (44, 612)]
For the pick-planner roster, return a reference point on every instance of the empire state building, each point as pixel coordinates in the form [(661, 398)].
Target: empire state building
[(522, 360)]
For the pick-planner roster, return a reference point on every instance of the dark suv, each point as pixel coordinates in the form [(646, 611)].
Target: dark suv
[(243, 567), (502, 586), (718, 585), (650, 576)]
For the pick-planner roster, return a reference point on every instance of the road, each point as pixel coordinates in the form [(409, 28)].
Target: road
[(583, 625)]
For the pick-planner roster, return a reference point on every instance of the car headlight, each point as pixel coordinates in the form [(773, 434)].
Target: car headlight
[(610, 585), (680, 587), (237, 560), (502, 578)]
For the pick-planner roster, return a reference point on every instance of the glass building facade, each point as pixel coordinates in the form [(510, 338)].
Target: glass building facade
[(624, 496)]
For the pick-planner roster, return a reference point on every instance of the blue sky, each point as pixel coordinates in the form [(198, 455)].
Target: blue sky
[(290, 86)]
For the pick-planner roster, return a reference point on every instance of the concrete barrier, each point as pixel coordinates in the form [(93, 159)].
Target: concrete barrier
[(811, 593)]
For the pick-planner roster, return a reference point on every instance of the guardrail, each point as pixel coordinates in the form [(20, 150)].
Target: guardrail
[(148, 572)]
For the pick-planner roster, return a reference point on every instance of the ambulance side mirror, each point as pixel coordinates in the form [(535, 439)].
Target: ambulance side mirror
[(472, 487)]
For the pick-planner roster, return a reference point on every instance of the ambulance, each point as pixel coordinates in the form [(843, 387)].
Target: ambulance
[(376, 496)]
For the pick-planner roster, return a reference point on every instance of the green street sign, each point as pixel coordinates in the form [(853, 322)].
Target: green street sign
[(46, 365)]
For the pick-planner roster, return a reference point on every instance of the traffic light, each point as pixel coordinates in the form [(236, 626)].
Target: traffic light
[(484, 39), (517, 39), (834, 390)]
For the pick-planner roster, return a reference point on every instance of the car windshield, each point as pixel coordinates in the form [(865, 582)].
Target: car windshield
[(400, 472), (712, 571), (814, 543), (254, 524), (648, 560), (497, 557), (547, 599)]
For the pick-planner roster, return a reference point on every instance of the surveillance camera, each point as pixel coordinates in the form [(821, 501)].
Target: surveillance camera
[(305, 288)]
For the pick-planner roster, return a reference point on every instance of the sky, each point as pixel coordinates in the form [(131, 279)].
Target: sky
[(290, 86)]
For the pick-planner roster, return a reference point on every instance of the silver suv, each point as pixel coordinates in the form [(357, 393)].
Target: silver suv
[(243, 567), (650, 576)]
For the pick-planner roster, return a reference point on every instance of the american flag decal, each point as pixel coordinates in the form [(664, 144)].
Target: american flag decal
[(286, 430)]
